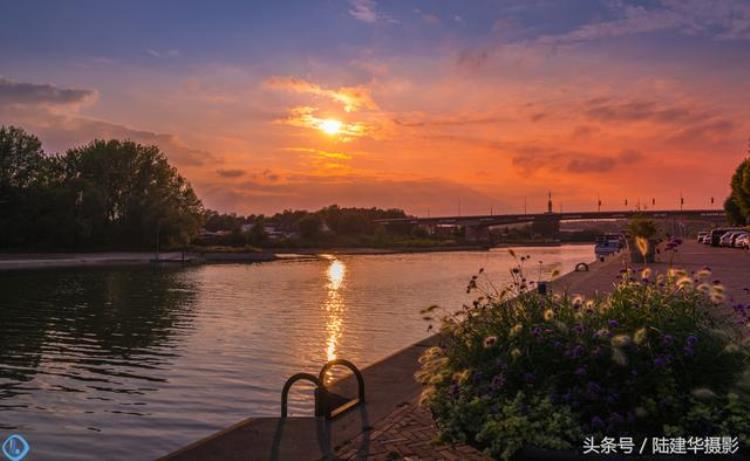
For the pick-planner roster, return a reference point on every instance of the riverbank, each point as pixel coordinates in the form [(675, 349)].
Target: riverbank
[(391, 425), (19, 261)]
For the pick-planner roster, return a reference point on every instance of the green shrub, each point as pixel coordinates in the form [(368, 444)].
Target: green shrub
[(516, 368)]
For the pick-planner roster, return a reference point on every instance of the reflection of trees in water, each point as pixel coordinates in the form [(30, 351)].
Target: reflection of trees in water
[(116, 321)]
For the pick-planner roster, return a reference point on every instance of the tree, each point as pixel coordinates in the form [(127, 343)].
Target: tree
[(737, 204), (26, 198), (127, 194), (309, 226), (21, 158), (734, 214), (258, 234)]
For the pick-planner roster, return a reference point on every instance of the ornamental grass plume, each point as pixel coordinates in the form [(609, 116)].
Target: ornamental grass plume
[(621, 340), (640, 335), (643, 246)]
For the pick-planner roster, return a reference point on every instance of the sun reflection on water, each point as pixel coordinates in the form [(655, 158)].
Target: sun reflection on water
[(334, 306)]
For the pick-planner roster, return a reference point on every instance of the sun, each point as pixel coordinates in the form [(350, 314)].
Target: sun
[(330, 126)]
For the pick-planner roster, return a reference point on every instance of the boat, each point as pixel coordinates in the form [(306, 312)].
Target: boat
[(608, 244)]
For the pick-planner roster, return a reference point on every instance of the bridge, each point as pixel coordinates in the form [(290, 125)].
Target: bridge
[(547, 224)]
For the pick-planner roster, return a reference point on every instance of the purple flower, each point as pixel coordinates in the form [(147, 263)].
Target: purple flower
[(667, 340), (455, 389), (577, 351), (593, 388), (536, 331), (498, 381), (580, 372), (692, 339), (578, 328), (529, 378), (613, 323)]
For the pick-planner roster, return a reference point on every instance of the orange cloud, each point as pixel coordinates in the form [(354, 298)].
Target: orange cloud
[(353, 98), (307, 117)]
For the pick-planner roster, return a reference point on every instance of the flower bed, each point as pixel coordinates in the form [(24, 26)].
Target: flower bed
[(518, 369)]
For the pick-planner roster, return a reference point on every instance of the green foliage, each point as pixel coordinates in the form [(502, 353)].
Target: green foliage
[(642, 227), (734, 214), (516, 368), (737, 204), (21, 159), (105, 194), (516, 423), (310, 226)]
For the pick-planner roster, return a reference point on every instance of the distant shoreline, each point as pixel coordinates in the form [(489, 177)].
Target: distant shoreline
[(51, 260)]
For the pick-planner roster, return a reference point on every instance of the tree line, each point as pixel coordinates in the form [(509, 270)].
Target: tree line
[(105, 194), (111, 194)]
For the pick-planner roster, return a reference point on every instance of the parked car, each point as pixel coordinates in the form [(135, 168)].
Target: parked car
[(701, 236), (718, 233), (743, 241), (736, 237), (726, 239)]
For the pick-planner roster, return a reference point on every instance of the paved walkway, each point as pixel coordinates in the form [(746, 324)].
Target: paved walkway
[(406, 434), (730, 266), (409, 432)]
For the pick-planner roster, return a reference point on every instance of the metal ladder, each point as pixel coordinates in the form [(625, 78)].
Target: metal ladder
[(327, 404)]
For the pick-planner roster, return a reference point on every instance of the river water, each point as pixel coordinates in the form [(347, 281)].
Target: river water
[(135, 362)]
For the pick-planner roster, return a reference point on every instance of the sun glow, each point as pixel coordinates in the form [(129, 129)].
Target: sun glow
[(331, 126)]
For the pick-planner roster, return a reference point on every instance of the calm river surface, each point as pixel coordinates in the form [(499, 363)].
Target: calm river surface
[(134, 362)]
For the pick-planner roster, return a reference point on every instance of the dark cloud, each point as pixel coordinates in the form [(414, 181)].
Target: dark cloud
[(707, 131), (22, 93), (531, 159), (230, 173), (608, 110)]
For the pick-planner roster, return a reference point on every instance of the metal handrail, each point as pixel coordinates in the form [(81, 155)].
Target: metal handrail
[(319, 406), (349, 365), (323, 397)]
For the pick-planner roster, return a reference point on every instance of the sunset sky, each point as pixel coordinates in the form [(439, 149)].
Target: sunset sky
[(418, 105)]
